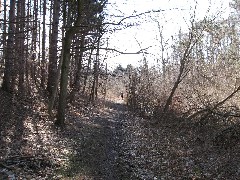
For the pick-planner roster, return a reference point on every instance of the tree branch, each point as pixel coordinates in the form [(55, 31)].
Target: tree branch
[(121, 52), (118, 51), (140, 14), (210, 110)]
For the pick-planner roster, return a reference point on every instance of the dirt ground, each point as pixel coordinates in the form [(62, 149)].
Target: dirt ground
[(108, 142)]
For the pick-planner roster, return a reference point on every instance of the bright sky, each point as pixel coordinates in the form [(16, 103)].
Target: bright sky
[(176, 15)]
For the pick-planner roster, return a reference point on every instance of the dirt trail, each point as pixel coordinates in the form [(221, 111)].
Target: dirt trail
[(94, 144), (111, 138), (99, 154), (107, 143), (89, 147)]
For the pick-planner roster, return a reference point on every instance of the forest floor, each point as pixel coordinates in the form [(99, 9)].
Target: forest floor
[(108, 142)]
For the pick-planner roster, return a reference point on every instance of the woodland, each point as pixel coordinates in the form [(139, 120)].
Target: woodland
[(65, 114)]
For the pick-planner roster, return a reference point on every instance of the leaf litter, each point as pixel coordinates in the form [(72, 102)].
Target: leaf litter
[(107, 142)]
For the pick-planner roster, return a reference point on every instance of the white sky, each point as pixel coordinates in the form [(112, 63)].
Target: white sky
[(147, 33)]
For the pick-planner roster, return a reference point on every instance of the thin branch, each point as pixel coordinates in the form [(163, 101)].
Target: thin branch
[(121, 52), (118, 51), (210, 110), (140, 14)]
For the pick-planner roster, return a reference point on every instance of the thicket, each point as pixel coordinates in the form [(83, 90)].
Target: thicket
[(200, 79)]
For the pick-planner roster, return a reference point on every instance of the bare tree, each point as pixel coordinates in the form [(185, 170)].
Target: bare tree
[(20, 45), (43, 64), (67, 41), (92, 8), (8, 80), (183, 69), (53, 47)]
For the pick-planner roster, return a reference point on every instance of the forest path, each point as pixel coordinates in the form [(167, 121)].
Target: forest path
[(88, 147), (113, 137), (107, 142), (99, 153)]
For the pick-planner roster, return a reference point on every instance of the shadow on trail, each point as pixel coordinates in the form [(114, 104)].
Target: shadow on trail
[(116, 106), (92, 139), (18, 120), (97, 154)]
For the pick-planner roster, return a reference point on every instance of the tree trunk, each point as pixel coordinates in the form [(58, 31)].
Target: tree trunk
[(53, 58), (20, 47), (43, 71), (64, 77), (97, 71), (56, 80), (65, 66), (34, 41), (76, 83), (87, 72), (8, 83), (28, 27), (94, 89), (183, 71), (4, 36)]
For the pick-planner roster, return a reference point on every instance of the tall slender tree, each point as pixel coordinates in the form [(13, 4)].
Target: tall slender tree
[(85, 9), (77, 77), (20, 45), (8, 80), (65, 65), (43, 71), (53, 47), (4, 36)]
